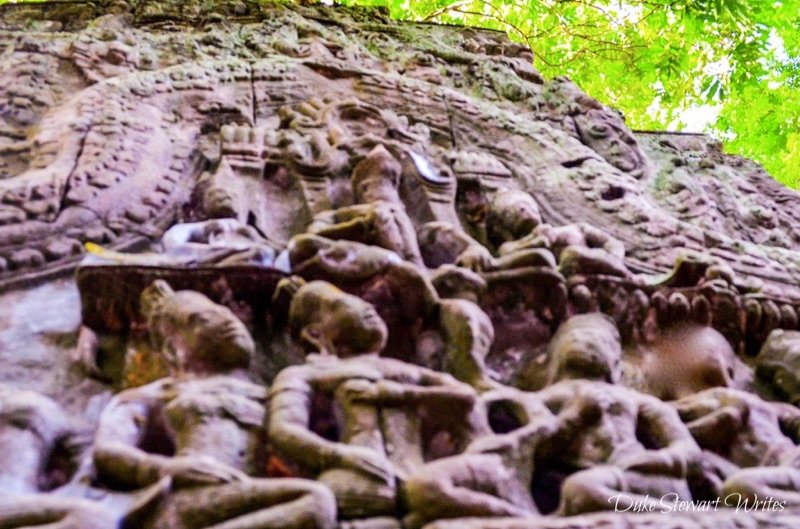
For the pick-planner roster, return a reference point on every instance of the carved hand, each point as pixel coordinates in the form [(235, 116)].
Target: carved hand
[(665, 461), (477, 258), (359, 389), (367, 461), (200, 470)]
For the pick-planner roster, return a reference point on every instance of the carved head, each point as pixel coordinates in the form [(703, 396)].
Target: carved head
[(318, 257), (377, 177), (221, 202), (598, 127), (333, 322), (215, 232), (778, 364), (469, 335), (194, 333), (586, 346), (441, 243), (513, 214), (605, 132)]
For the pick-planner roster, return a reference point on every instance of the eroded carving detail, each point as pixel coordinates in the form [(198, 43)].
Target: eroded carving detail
[(349, 272)]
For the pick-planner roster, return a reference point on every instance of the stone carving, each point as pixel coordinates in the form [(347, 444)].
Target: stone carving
[(379, 216), (745, 431), (334, 323), (393, 420), (776, 361), (599, 128), (41, 450), (337, 270), (586, 346), (582, 426), (168, 435)]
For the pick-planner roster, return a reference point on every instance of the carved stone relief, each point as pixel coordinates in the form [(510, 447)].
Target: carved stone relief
[(286, 266)]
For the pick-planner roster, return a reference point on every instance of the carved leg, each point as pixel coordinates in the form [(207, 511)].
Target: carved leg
[(469, 485), (358, 496), (609, 488), (43, 512), (255, 504), (782, 484)]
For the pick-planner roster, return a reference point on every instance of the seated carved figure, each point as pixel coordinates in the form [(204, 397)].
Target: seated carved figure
[(584, 346), (613, 440), (512, 216), (379, 216), (332, 322), (741, 430), (363, 266), (361, 423), (402, 294), (329, 321), (514, 226), (196, 438), (445, 243), (634, 444), (35, 458), (578, 248), (492, 477), (468, 334), (681, 361)]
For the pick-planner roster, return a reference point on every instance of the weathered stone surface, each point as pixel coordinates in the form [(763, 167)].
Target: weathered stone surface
[(348, 271)]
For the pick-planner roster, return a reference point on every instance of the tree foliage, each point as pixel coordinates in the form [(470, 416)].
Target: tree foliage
[(734, 64)]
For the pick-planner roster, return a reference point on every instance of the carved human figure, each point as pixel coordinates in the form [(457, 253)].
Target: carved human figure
[(468, 334), (586, 346), (578, 248), (681, 361), (512, 215), (402, 293), (329, 321), (38, 455), (604, 131), (219, 241), (514, 226), (443, 243), (492, 477), (332, 322), (685, 359), (599, 128), (613, 439), (634, 445), (197, 437), (361, 423), (778, 364), (378, 215), (742, 430)]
